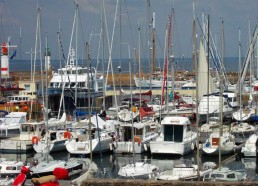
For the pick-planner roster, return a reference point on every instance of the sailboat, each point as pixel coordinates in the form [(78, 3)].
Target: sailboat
[(47, 166), (212, 109), (137, 169), (156, 78), (221, 143)]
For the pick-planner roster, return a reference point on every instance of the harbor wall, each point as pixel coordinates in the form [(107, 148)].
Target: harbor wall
[(119, 182)]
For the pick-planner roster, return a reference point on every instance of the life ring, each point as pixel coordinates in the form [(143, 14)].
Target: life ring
[(35, 140), (138, 139), (67, 134)]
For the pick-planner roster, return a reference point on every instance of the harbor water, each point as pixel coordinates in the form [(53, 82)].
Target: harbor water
[(106, 165)]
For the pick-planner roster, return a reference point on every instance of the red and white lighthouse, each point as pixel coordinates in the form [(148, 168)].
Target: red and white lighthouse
[(4, 61)]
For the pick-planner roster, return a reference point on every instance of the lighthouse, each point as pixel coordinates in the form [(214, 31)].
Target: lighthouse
[(4, 61)]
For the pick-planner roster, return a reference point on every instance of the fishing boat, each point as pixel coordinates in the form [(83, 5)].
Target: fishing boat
[(176, 137), (143, 134), (73, 77), (30, 132)]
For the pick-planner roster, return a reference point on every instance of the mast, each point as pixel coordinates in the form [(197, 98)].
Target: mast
[(208, 61), (103, 44), (221, 94), (239, 72), (153, 42), (139, 56), (89, 105), (46, 109), (197, 93), (167, 45)]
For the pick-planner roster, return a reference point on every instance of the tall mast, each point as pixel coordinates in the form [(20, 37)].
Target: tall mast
[(239, 72), (153, 43), (197, 93), (221, 94), (208, 61)]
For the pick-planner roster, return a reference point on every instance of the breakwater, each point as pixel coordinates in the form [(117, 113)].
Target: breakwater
[(118, 182)]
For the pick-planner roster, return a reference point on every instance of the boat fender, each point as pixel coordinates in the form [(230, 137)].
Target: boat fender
[(138, 139), (145, 147), (192, 146), (67, 134), (35, 140)]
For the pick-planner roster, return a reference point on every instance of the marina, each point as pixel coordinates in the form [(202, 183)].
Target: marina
[(90, 111)]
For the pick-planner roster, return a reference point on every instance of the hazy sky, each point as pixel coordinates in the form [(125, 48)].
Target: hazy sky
[(22, 14)]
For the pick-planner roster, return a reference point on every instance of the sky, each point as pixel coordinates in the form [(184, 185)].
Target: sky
[(18, 20)]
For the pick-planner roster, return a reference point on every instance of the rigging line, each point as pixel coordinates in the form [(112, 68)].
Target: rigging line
[(61, 45), (80, 22), (130, 25)]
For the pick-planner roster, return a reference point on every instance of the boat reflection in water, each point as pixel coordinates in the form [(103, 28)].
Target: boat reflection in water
[(107, 165)]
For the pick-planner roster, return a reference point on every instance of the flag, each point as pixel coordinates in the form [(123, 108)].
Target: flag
[(14, 54)]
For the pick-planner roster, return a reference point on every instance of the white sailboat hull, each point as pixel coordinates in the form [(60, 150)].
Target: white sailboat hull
[(54, 146), (167, 147), (139, 170), (211, 145), (83, 147)]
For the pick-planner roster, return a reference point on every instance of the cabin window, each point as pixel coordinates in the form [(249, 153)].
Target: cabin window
[(188, 128), (72, 84), (32, 128), (127, 133), (27, 87), (173, 133), (9, 168), (138, 132), (52, 136), (231, 176), (217, 176), (23, 120), (24, 128)]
